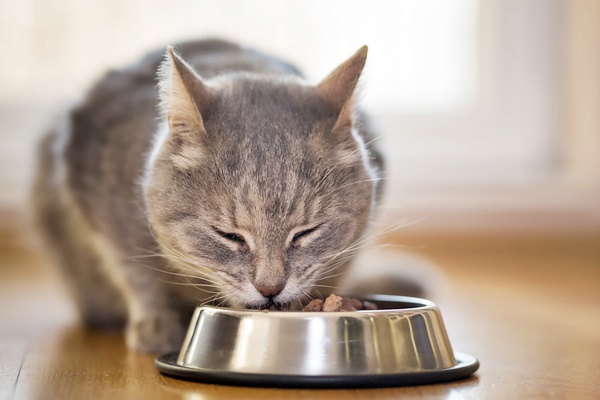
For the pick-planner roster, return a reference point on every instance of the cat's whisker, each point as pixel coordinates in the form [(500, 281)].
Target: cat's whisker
[(173, 254), (210, 285), (224, 300), (220, 296), (338, 259), (196, 274), (352, 252), (404, 224), (212, 298), (323, 278), (328, 270), (306, 296), (203, 287), (169, 249), (217, 296), (319, 293), (202, 271), (366, 238), (350, 248), (354, 249), (330, 267), (165, 271), (328, 287), (154, 255), (343, 159), (187, 264), (378, 179), (200, 286), (184, 264)]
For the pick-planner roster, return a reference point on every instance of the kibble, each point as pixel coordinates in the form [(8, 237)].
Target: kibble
[(335, 303)]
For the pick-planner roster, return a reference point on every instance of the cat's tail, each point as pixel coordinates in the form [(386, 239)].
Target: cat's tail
[(44, 185), (396, 273)]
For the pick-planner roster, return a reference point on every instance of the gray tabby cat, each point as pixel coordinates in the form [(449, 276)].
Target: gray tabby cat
[(245, 187)]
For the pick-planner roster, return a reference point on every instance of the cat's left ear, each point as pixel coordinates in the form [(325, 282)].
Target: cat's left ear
[(183, 97), (338, 87)]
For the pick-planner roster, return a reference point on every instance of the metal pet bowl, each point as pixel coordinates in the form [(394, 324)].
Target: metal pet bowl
[(402, 343)]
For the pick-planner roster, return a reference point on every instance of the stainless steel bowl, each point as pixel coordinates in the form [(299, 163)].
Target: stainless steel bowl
[(404, 342)]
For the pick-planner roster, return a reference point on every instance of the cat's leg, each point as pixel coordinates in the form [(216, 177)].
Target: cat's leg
[(114, 291), (98, 300), (158, 310), (158, 316), (67, 238), (111, 292), (159, 303)]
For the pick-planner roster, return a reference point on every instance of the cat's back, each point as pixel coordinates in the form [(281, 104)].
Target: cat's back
[(131, 91), (121, 108), (109, 134), (123, 92)]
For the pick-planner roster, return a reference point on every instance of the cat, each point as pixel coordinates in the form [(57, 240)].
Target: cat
[(236, 183)]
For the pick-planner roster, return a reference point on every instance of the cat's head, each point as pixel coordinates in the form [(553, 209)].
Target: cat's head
[(258, 184)]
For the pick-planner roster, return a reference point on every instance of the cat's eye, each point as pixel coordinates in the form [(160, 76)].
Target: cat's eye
[(231, 237), (303, 233)]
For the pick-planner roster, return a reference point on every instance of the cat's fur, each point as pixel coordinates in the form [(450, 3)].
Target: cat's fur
[(150, 212)]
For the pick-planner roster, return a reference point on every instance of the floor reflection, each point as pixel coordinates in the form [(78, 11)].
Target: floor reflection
[(197, 391), (76, 363)]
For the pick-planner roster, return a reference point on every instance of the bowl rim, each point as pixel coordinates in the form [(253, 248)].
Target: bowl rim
[(420, 305), (466, 366)]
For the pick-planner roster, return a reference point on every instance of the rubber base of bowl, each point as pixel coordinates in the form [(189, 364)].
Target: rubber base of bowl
[(467, 365)]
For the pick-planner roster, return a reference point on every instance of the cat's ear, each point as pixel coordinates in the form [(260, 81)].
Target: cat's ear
[(183, 97), (338, 87)]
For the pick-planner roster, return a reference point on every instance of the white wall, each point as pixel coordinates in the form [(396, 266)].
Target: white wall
[(468, 95)]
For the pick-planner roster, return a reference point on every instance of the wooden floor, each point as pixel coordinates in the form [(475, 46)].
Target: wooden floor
[(529, 309)]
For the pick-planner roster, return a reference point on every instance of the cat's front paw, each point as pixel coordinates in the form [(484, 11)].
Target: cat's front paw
[(156, 333)]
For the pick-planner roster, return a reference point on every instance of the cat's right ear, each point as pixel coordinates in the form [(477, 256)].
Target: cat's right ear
[(338, 88), (183, 96)]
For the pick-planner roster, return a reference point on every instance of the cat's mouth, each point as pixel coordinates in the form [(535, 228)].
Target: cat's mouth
[(271, 306)]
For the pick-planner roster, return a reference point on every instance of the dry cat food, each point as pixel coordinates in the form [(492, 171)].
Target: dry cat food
[(336, 303)]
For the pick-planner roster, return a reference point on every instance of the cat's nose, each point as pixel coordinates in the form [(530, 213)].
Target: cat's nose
[(269, 291)]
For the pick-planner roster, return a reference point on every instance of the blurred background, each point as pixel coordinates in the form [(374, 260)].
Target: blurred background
[(489, 111)]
